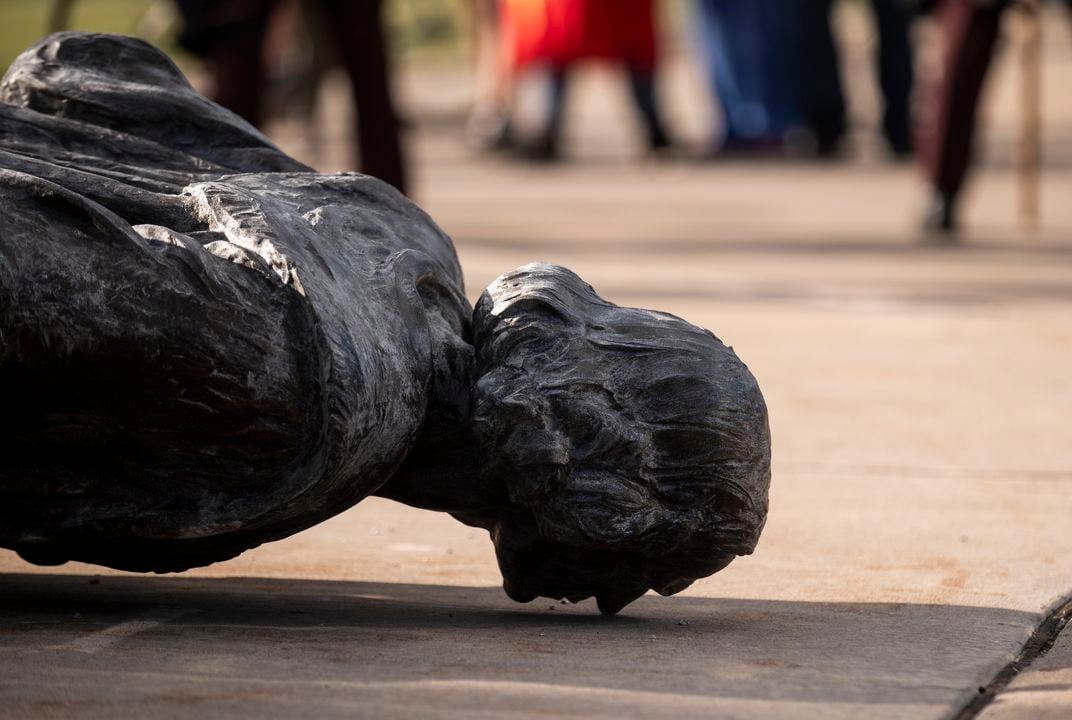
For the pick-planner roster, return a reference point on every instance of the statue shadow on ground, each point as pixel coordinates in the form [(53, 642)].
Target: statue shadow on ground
[(339, 644)]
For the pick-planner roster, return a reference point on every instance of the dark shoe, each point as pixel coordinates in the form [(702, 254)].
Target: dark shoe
[(661, 148), (902, 148), (940, 217), (658, 139), (490, 132), (543, 149), (827, 142), (763, 147), (828, 148)]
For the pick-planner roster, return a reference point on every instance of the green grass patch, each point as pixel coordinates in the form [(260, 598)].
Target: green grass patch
[(422, 31), (24, 21)]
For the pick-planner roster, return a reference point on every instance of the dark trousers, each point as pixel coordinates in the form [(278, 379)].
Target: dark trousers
[(643, 87), (356, 29), (970, 31), (822, 96)]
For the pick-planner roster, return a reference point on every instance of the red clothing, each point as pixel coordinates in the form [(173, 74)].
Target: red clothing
[(523, 24), (564, 31)]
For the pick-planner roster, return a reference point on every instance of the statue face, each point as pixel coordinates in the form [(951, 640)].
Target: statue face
[(633, 446)]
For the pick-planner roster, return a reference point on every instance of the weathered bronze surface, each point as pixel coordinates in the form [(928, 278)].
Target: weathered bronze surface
[(205, 346)]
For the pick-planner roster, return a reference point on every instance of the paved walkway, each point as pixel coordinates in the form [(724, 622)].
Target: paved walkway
[(920, 506)]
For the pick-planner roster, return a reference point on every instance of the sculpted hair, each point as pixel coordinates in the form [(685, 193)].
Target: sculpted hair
[(630, 443)]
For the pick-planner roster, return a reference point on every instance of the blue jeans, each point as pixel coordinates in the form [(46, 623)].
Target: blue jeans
[(749, 49)]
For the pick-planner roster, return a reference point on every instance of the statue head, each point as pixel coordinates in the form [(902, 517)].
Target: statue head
[(633, 446)]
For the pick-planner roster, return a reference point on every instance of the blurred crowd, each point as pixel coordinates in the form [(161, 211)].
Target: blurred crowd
[(772, 67), (236, 37)]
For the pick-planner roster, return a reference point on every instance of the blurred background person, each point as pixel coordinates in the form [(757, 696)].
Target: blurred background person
[(572, 31), (231, 36), (822, 94), (490, 126), (509, 42), (970, 31), (748, 50)]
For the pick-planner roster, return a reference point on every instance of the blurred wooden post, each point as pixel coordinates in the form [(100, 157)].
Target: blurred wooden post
[(1030, 108), (59, 15)]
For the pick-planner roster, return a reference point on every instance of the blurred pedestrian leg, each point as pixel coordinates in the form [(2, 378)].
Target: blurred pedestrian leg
[(642, 83), (823, 96), (896, 71), (732, 40), (970, 32), (230, 34), (643, 87), (1031, 112), (362, 51), (489, 126), (780, 57), (622, 31), (749, 52), (548, 145)]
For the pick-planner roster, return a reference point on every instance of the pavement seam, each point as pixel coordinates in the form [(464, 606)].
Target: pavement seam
[(1040, 643)]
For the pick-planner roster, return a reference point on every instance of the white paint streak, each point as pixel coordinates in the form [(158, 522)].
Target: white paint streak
[(95, 642)]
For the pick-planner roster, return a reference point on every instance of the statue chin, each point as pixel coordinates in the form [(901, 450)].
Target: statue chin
[(207, 346)]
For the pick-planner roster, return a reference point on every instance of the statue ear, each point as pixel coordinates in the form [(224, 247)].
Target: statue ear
[(545, 291), (519, 308), (529, 312), (536, 309)]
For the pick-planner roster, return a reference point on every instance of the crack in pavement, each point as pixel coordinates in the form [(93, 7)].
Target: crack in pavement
[(1040, 642)]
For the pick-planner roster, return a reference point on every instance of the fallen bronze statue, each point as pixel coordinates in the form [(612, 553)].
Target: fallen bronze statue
[(206, 345)]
